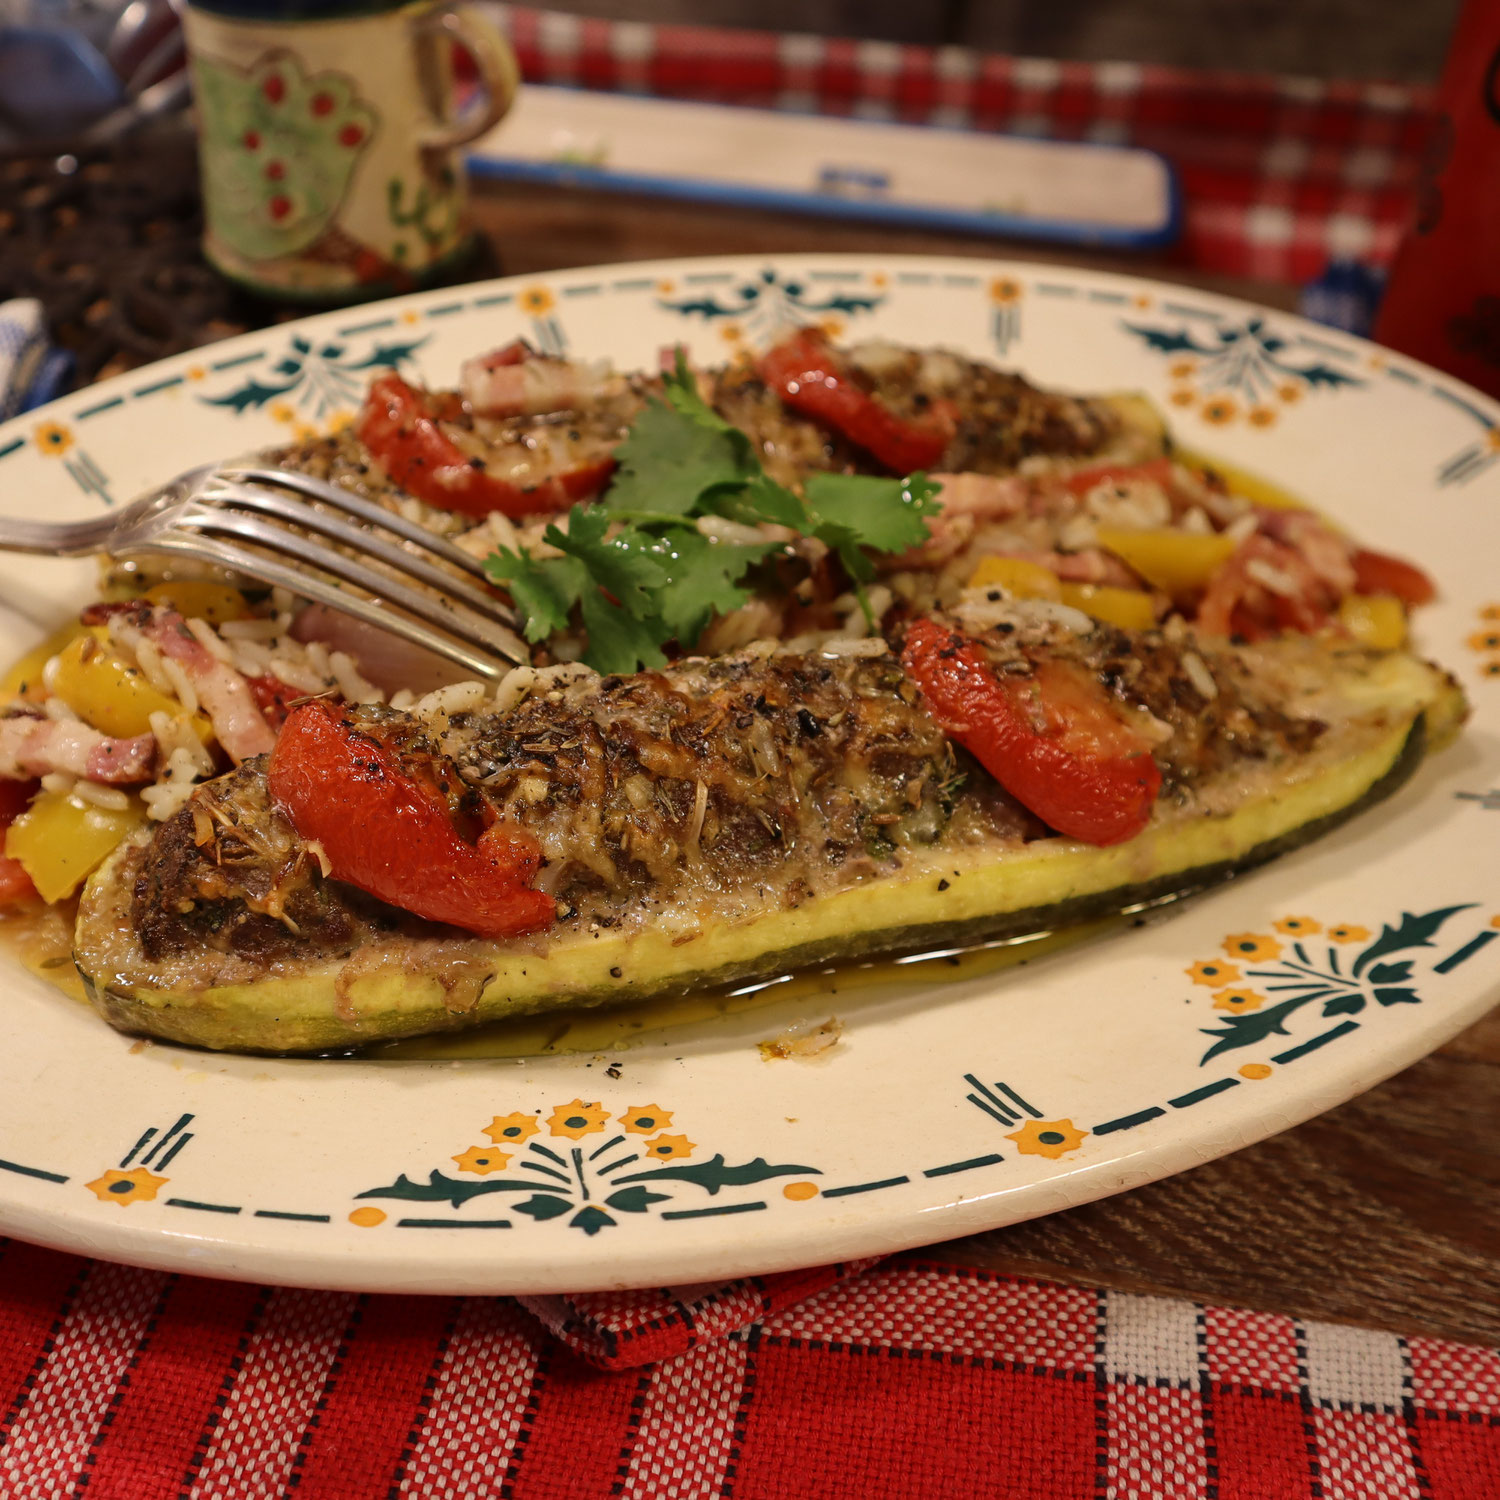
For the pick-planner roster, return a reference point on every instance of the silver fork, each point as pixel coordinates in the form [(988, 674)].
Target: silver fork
[(241, 517)]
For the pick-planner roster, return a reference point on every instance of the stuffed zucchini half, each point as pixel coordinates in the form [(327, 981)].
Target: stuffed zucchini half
[(1007, 766)]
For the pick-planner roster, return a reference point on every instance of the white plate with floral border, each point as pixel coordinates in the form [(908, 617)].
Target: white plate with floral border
[(944, 1108)]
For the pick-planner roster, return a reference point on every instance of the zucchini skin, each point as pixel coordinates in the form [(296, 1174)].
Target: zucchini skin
[(967, 897)]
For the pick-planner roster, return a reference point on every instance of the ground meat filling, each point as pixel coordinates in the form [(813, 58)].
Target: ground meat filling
[(1002, 418), (715, 778), (229, 873)]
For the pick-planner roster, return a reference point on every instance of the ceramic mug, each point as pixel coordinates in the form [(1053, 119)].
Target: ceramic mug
[(329, 147)]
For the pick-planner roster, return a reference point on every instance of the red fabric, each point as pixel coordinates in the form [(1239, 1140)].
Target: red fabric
[(1278, 174), (906, 1378)]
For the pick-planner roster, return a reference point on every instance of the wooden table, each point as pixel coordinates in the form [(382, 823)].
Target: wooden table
[(1385, 1212)]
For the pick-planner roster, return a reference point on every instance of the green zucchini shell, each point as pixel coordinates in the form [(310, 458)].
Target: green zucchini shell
[(414, 986)]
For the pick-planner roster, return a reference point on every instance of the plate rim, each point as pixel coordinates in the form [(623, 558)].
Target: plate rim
[(697, 1258)]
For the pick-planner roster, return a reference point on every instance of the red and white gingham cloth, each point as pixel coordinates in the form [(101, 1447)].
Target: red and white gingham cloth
[(1278, 174), (906, 1380)]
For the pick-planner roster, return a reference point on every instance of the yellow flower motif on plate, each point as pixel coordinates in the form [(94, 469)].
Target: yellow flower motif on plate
[(1349, 932), (642, 1119), (1211, 971), (832, 327), (1297, 926), (577, 1119), (1004, 290), (135, 1186), (1491, 669), (305, 432), (732, 333), (482, 1160), (1181, 369), (339, 422), (1486, 640), (282, 411), (54, 439), (1261, 416), (1490, 612), (1254, 946), (1182, 396), (537, 301), (1289, 392), (1049, 1138), (196, 372), (411, 316), (1255, 1071), (1236, 1002), (511, 1130), (670, 1147), (880, 281), (1219, 409)]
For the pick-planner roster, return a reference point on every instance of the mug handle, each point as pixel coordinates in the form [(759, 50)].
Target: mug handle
[(499, 77)]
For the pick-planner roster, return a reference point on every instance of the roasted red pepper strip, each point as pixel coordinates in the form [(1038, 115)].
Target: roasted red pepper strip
[(1234, 603), (273, 697), (1375, 573), (15, 883), (809, 376), (1081, 481), (396, 427), (1053, 743), (391, 835)]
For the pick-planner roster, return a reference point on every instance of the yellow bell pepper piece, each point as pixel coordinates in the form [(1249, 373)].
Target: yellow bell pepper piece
[(60, 840), (1179, 562), (23, 682), (214, 602), (1243, 482), (1130, 609), (111, 693), (1026, 580), (1375, 620)]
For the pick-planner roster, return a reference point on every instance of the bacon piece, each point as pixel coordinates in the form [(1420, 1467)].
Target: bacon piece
[(988, 497), (518, 382), (1325, 552), (34, 745), (224, 694)]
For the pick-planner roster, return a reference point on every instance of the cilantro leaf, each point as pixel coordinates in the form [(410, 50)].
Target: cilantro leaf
[(765, 500), (619, 641), (544, 589), (705, 582), (888, 515), (637, 573), (668, 460), (680, 387), (622, 565)]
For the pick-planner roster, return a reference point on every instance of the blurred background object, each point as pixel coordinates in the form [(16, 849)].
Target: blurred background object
[(1295, 130), (73, 72), (1444, 300), (1388, 39)]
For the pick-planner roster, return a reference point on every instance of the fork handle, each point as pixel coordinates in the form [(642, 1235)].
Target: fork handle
[(54, 538)]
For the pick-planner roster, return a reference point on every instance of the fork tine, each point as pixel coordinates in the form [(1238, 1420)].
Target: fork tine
[(268, 502), (366, 510), (459, 622), (225, 554)]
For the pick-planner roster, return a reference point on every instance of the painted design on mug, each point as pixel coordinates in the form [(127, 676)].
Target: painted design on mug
[(282, 146)]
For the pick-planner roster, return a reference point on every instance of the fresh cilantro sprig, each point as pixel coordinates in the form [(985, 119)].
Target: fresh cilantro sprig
[(638, 571)]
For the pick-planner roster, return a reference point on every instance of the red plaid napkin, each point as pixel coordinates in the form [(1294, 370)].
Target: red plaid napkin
[(1278, 174), (910, 1379)]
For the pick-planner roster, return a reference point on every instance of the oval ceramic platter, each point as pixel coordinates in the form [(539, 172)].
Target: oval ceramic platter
[(944, 1107)]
